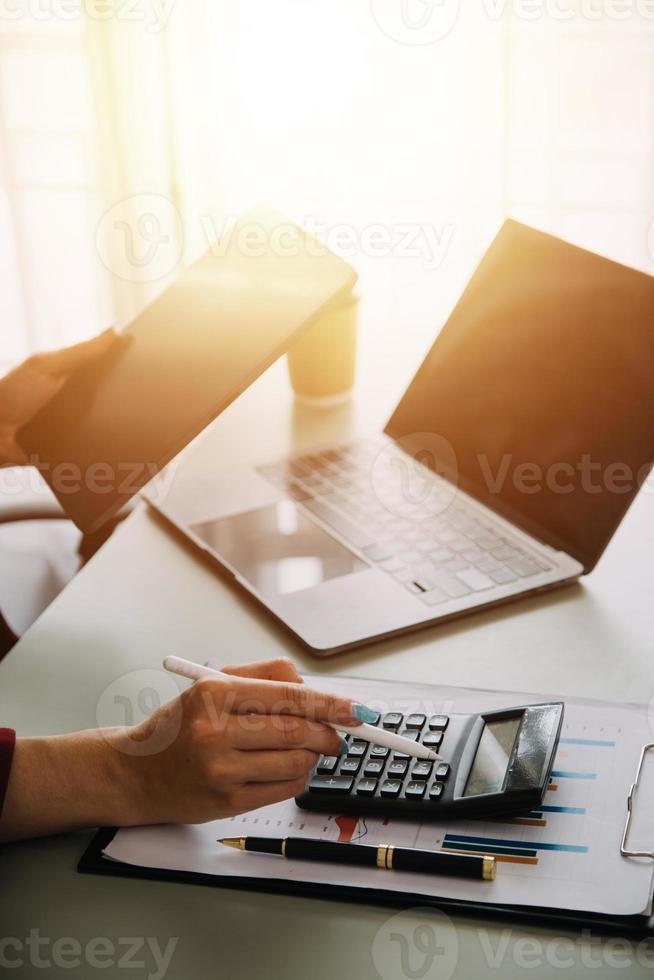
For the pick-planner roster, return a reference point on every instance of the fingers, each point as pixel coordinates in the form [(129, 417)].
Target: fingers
[(60, 363), (257, 732), (280, 697), (276, 767), (280, 669), (255, 795)]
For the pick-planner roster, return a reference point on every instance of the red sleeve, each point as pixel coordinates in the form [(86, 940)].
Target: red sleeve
[(7, 742)]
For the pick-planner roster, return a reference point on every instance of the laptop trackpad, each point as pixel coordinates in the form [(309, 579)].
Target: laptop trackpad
[(278, 549)]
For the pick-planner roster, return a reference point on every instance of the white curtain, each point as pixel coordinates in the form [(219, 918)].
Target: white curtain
[(419, 122)]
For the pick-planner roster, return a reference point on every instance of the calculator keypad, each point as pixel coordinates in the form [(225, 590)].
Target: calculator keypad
[(375, 771)]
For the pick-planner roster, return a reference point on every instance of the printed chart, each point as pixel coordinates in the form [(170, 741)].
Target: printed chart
[(559, 855)]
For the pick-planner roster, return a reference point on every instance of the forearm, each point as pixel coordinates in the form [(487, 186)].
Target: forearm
[(65, 782)]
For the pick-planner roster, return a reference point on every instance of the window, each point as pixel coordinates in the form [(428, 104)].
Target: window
[(403, 141)]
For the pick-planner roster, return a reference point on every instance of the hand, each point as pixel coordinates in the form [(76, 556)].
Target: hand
[(224, 746), (243, 741), (35, 382)]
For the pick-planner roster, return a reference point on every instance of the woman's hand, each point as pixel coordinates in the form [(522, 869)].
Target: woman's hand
[(224, 746), (35, 382), (234, 744)]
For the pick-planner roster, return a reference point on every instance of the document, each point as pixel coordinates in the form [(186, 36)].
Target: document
[(565, 854)]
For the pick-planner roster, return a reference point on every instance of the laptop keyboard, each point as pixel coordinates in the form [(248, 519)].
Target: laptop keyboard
[(439, 554)]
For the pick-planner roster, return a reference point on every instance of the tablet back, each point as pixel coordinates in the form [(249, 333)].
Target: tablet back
[(116, 423)]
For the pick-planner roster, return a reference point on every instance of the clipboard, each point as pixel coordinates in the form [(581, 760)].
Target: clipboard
[(634, 926), (637, 926)]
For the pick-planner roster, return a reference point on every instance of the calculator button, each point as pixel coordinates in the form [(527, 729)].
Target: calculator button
[(438, 723), (413, 736), (391, 787), (327, 765), (422, 770), (357, 749), (398, 769), (366, 787), (336, 785), (399, 756), (436, 791), (414, 790), (374, 767), (432, 740), (379, 752), (350, 766), (392, 720), (415, 721), (442, 770)]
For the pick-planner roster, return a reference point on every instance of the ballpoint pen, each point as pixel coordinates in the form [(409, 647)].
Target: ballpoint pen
[(384, 856), (370, 733)]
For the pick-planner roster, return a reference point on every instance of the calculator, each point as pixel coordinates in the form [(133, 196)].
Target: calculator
[(494, 764)]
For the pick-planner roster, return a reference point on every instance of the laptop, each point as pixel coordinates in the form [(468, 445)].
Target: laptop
[(504, 470)]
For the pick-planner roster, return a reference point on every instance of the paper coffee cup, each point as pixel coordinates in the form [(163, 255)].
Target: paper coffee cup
[(322, 362)]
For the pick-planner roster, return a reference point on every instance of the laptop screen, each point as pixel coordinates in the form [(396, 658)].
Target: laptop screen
[(537, 396)]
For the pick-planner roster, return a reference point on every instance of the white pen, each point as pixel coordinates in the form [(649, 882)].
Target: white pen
[(379, 736)]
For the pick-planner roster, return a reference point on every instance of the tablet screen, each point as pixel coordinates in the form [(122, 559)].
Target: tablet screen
[(189, 355)]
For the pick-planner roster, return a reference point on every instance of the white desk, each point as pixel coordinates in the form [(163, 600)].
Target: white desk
[(146, 594)]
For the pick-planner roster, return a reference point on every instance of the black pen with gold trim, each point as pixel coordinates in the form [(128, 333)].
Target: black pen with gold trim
[(383, 856)]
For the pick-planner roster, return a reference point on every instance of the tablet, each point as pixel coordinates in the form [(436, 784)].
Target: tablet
[(119, 421)]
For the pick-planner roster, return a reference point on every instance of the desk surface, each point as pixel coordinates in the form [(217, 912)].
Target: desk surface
[(147, 594)]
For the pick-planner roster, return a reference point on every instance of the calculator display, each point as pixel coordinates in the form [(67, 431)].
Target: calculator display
[(492, 757)]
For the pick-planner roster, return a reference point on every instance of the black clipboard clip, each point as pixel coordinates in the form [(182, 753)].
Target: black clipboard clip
[(624, 850)]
